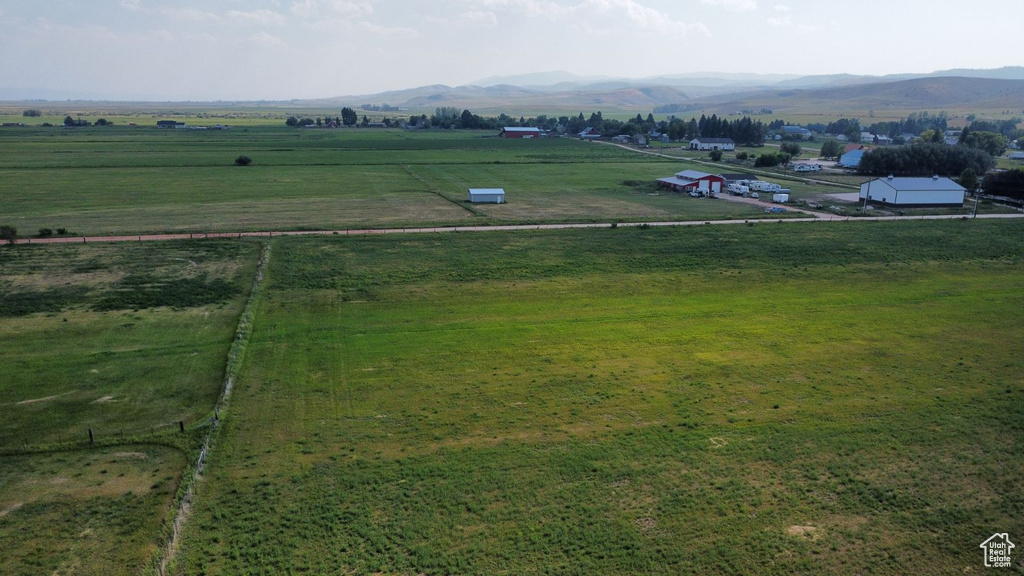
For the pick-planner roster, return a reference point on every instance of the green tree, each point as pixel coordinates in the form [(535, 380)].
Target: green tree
[(831, 149), (243, 161), (791, 148), (715, 155), (969, 180), (349, 116), (991, 142), (8, 234)]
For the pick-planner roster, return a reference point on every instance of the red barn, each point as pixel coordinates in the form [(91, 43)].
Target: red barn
[(694, 181), (520, 132)]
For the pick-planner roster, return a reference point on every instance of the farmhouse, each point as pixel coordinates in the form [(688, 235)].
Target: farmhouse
[(694, 181), (913, 192), (486, 195), (797, 131), (712, 144), (590, 134), (511, 132)]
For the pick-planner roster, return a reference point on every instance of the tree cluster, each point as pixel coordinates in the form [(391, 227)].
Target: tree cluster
[(32, 113), (1007, 128), (744, 131), (831, 149), (991, 142), (69, 121), (916, 123), (924, 159), (770, 160), (1008, 183)]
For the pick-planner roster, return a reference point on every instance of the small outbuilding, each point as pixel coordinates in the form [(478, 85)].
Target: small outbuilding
[(487, 195), (521, 132), (913, 192)]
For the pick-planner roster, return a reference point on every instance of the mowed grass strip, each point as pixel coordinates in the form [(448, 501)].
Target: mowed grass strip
[(120, 338), (798, 399)]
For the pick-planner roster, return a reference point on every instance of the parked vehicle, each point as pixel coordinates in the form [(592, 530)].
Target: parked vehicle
[(774, 210), (762, 186), (755, 195), (738, 189), (780, 197)]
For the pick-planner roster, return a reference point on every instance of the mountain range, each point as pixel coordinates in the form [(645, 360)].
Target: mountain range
[(1001, 88)]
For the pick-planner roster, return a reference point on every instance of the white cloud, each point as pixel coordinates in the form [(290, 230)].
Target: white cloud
[(478, 18), (781, 21), (782, 8), (189, 14), (258, 17), (734, 5), (132, 5), (352, 9), (320, 8), (582, 13), (265, 39)]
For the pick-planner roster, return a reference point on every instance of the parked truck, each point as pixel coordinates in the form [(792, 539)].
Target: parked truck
[(780, 197)]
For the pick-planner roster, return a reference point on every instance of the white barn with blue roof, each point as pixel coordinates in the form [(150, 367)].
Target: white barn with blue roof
[(913, 192)]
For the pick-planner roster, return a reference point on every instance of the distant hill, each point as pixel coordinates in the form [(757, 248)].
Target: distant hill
[(716, 92), (918, 94)]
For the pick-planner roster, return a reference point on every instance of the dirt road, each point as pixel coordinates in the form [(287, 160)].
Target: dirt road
[(817, 217)]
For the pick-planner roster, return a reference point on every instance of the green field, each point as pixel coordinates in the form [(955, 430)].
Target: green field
[(120, 180), (787, 399), (829, 397), (127, 341)]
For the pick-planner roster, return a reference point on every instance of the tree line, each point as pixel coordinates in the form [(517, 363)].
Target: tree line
[(744, 131)]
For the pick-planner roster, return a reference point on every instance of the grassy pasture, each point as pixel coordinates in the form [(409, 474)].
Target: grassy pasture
[(121, 338), (106, 181), (789, 399), (87, 512)]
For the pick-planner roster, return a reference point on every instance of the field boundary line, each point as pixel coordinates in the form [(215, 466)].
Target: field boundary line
[(236, 355), (421, 180)]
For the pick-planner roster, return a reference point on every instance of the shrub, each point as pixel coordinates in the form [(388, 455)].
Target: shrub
[(715, 155), (742, 156), (8, 234), (62, 231), (45, 232), (243, 161)]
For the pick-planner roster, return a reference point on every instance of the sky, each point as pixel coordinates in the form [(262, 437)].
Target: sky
[(203, 50)]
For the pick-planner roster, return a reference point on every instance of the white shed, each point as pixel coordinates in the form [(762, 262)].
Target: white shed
[(487, 195), (910, 192)]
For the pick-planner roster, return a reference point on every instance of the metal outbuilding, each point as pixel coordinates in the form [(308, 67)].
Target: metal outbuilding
[(913, 192), (487, 195)]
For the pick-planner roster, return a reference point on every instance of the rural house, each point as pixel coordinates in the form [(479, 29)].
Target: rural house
[(712, 144), (913, 192), (694, 181), (590, 134)]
